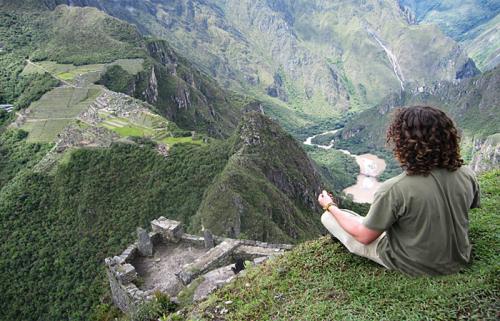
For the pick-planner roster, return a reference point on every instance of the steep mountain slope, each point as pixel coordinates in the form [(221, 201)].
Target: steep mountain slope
[(455, 17), (472, 103), (483, 44), (87, 164), (475, 23), (58, 225), (267, 189), (310, 55)]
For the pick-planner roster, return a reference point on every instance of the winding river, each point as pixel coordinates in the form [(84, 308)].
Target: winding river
[(370, 166)]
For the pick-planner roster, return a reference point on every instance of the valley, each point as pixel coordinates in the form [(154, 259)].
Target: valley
[(370, 167)]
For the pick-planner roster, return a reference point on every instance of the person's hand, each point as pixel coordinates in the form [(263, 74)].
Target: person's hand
[(325, 198)]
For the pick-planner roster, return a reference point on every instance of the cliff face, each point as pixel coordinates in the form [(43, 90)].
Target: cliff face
[(189, 97), (319, 57)]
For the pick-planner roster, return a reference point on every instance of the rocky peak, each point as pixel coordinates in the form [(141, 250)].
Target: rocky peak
[(279, 156)]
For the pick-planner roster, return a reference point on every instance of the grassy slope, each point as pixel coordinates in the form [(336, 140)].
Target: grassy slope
[(483, 44), (320, 280), (85, 36)]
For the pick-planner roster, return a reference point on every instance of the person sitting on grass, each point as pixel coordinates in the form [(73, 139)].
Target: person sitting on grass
[(418, 222)]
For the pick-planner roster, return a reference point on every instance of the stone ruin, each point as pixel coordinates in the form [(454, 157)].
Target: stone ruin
[(179, 264)]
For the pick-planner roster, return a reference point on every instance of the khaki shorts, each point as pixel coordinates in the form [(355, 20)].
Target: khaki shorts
[(368, 251)]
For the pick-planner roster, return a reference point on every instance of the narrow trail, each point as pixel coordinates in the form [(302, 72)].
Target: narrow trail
[(50, 73)]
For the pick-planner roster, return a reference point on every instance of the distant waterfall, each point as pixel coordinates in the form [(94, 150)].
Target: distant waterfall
[(392, 58)]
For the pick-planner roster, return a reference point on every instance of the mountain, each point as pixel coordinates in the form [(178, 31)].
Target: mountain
[(455, 18), (474, 23), (59, 225), (126, 110), (350, 57), (483, 44), (472, 103), (267, 190)]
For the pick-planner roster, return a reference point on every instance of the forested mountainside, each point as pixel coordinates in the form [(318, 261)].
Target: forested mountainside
[(473, 104), (474, 23), (317, 57), (58, 227)]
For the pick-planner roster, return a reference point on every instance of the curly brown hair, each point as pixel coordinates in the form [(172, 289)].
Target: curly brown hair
[(423, 138)]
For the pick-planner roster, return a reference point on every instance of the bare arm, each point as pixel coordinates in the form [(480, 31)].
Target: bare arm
[(354, 226), (350, 223)]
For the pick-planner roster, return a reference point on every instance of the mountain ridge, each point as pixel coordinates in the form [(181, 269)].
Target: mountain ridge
[(268, 48)]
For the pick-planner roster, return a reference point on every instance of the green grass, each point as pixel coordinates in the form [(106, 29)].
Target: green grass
[(146, 124), (179, 140), (69, 72), (132, 66), (44, 131), (320, 280), (130, 130)]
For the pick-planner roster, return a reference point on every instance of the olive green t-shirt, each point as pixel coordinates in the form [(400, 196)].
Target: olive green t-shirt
[(426, 221)]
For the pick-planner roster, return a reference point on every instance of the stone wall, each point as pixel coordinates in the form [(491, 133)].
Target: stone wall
[(123, 277)]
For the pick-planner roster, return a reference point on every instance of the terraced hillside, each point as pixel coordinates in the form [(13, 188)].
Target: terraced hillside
[(47, 117), (64, 44)]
